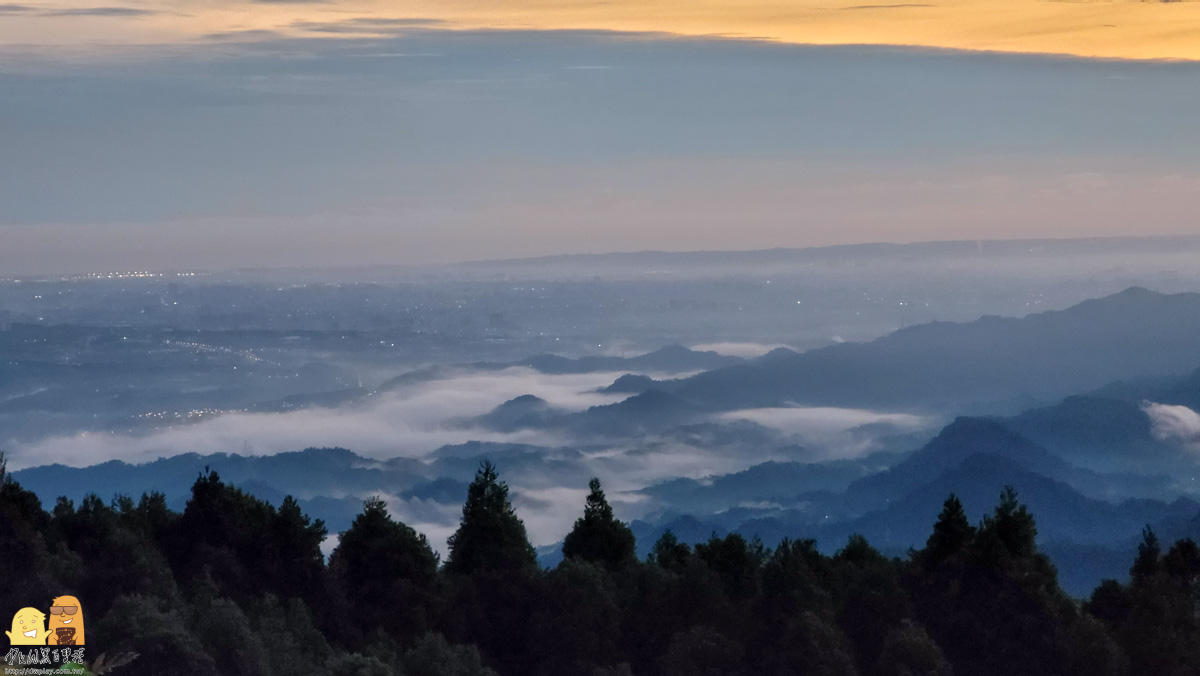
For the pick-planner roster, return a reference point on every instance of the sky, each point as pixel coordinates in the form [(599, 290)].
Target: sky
[(168, 135)]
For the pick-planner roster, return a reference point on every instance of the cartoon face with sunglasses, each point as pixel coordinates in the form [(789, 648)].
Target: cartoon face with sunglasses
[(66, 622)]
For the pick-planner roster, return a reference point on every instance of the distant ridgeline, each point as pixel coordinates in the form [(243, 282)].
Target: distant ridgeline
[(976, 366), (234, 585), (782, 568), (1089, 518), (1093, 467)]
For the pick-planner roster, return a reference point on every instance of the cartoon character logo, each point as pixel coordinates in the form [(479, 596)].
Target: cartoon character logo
[(66, 621), (28, 628)]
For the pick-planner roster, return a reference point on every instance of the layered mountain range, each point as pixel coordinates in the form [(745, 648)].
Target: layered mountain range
[(1088, 412)]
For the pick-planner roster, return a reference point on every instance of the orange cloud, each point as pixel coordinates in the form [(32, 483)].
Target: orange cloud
[(1123, 29)]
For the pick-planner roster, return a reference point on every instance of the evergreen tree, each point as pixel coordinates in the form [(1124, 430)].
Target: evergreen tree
[(1010, 526), (27, 563), (951, 533), (1154, 618), (868, 597), (1110, 602), (598, 536), (1146, 563), (734, 561), (386, 570), (792, 581), (670, 553), (998, 609), (1182, 562), (490, 536), (576, 624), (296, 542)]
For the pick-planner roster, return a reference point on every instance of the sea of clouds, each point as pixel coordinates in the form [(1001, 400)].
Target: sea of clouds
[(418, 419)]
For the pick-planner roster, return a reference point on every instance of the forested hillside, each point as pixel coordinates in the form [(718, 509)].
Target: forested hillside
[(233, 585)]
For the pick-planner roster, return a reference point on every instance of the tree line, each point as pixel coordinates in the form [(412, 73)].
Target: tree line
[(236, 586)]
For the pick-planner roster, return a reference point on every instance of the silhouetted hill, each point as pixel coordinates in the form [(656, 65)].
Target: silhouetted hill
[(518, 413), (766, 482), (650, 411), (630, 384), (686, 528), (668, 359), (1010, 250), (965, 437), (1070, 523), (1182, 392), (461, 460), (989, 363), (1110, 430), (1099, 433), (974, 458), (1063, 513), (442, 489)]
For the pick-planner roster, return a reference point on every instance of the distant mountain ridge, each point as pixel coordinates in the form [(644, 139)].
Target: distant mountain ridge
[(672, 359), (990, 364), (1109, 429), (1145, 339), (973, 458), (978, 248), (517, 413), (666, 359)]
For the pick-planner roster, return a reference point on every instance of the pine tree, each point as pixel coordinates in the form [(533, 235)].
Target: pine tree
[(297, 542), (670, 553), (378, 548), (491, 536), (598, 536), (951, 533), (1012, 526), (1182, 562), (735, 561), (386, 569), (1146, 563)]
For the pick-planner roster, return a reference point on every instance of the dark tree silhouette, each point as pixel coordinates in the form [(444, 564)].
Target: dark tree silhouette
[(735, 562), (909, 651), (951, 533), (1149, 551), (490, 536), (670, 553), (598, 536), (235, 585), (386, 570), (1010, 526)]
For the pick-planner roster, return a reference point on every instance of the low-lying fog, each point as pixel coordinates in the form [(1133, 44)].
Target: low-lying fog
[(418, 419)]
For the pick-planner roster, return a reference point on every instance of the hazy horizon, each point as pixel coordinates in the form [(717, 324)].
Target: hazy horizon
[(433, 146), (1160, 245)]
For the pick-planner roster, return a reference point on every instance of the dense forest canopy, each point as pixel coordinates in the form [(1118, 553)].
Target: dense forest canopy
[(234, 585)]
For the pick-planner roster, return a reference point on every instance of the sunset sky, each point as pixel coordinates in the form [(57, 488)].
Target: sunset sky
[(1141, 30), (158, 135)]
